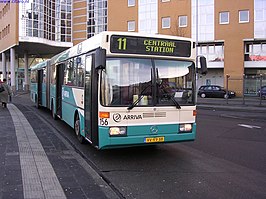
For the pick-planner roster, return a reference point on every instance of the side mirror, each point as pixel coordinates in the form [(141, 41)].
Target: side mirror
[(203, 66), (100, 58)]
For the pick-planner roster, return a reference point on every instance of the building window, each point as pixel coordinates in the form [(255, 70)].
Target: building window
[(131, 26), (130, 3), (165, 0), (148, 16), (259, 19), (213, 52), (224, 18), (182, 21), (203, 20), (47, 19), (243, 16), (96, 17), (255, 51), (166, 22)]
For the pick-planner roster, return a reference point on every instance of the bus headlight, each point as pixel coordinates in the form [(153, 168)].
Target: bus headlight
[(185, 128), (118, 131)]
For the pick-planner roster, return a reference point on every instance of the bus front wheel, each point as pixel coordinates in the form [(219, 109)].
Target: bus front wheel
[(81, 139)]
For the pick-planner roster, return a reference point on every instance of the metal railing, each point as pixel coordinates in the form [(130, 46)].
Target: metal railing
[(246, 88)]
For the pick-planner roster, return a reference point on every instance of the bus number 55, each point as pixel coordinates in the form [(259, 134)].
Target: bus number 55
[(103, 122)]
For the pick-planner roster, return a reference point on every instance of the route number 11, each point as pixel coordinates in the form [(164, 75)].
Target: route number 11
[(122, 43)]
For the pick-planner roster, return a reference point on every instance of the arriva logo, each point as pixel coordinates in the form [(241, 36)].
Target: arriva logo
[(132, 117), (117, 117)]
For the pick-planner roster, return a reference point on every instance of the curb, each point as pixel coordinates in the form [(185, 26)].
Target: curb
[(232, 107)]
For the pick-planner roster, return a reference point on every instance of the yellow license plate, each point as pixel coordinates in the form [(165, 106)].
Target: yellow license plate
[(155, 139)]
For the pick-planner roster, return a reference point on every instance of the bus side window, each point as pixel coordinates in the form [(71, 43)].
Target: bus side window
[(70, 74), (44, 76), (33, 77), (80, 70), (53, 74)]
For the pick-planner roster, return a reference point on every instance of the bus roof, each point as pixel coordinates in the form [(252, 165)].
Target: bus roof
[(40, 65)]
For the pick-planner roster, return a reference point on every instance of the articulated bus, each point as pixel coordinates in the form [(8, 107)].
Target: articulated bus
[(120, 89), (40, 84)]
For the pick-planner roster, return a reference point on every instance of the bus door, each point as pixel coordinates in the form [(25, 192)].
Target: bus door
[(47, 82), (88, 97), (91, 100), (39, 88), (59, 83), (93, 62)]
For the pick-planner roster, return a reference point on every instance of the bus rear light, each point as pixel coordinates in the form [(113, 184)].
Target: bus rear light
[(104, 114), (194, 112), (118, 131)]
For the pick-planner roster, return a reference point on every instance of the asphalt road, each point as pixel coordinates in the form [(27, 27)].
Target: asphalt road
[(227, 160)]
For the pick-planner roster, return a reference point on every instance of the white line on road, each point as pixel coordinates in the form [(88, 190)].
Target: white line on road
[(249, 126)]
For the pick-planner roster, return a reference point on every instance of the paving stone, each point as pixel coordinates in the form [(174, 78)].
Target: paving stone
[(35, 163)]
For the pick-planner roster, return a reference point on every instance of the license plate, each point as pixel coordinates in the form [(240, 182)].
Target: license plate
[(155, 139)]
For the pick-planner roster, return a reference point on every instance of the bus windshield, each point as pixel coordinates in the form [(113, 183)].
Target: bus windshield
[(147, 82)]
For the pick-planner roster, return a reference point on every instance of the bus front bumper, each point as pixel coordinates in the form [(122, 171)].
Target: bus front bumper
[(106, 141)]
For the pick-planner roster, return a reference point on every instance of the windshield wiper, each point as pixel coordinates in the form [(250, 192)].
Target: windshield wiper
[(131, 106), (171, 97), (175, 102)]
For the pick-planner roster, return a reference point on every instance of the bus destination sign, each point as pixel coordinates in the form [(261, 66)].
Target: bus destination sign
[(150, 46)]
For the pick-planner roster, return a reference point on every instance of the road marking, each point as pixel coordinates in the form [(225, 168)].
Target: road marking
[(38, 176), (249, 126)]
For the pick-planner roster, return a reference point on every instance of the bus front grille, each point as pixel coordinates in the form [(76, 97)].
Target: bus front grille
[(156, 114)]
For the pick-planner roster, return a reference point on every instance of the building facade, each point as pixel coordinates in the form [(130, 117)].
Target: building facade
[(31, 32), (89, 18), (38, 29), (230, 34)]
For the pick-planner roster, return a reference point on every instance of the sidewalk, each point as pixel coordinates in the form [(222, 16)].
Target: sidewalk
[(250, 104), (37, 163)]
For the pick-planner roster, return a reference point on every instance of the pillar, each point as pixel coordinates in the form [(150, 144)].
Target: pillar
[(12, 68), (26, 72), (4, 65)]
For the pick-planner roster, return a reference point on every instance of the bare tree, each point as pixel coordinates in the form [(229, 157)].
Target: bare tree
[(180, 31)]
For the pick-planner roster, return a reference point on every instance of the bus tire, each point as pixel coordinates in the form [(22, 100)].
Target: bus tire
[(37, 102), (52, 112), (81, 139)]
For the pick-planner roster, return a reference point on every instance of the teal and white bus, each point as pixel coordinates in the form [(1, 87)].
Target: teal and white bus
[(121, 89), (39, 86)]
